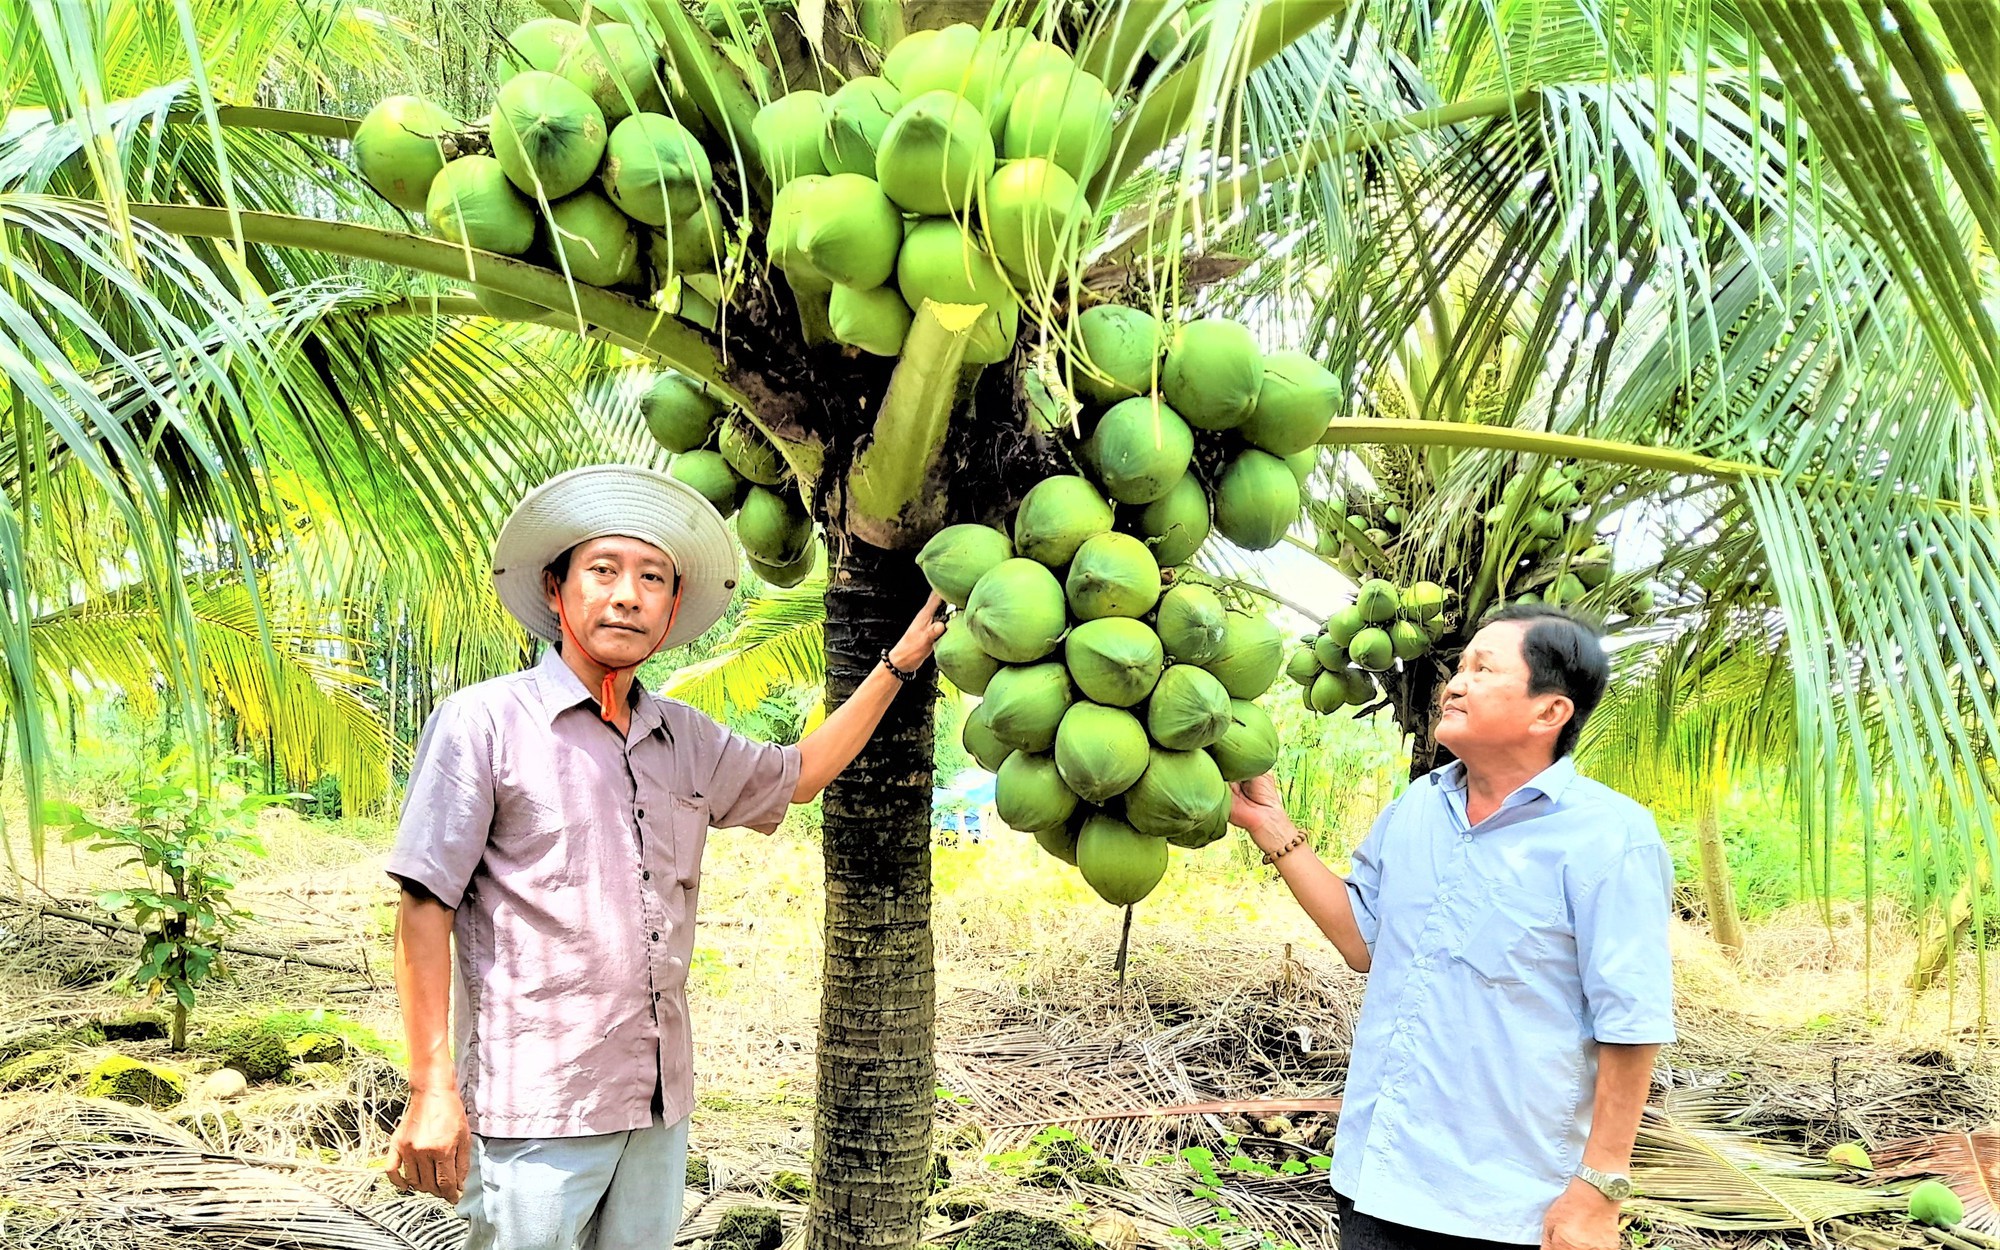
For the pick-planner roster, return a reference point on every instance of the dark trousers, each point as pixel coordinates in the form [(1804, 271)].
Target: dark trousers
[(1365, 1232)]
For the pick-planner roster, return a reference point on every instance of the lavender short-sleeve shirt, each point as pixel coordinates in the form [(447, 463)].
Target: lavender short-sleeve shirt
[(572, 859)]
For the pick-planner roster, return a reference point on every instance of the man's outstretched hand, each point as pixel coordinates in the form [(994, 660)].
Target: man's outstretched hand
[(1256, 808), (920, 639)]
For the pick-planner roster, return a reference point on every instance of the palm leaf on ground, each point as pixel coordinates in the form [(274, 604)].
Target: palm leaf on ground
[(1969, 1163)]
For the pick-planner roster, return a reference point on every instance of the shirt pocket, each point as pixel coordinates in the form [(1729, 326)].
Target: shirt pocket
[(690, 834), (1516, 933)]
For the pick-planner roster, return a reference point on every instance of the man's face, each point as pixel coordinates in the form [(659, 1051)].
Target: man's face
[(616, 598), (1487, 708)]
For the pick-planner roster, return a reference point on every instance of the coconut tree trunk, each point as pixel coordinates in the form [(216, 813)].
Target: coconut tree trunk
[(1940, 943), (1718, 891), (872, 1124), (1416, 708)]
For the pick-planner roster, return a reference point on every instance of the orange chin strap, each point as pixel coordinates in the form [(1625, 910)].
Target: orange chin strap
[(607, 694)]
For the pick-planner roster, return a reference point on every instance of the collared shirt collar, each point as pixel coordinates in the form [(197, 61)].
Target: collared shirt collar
[(562, 690), (1548, 783)]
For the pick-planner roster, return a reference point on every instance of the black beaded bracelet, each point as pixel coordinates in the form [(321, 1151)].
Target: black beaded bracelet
[(905, 678)]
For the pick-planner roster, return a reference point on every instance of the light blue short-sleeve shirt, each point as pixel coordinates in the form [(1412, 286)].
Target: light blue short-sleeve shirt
[(1502, 955)]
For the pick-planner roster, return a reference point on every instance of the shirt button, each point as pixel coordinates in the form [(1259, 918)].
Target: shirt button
[(656, 936), (642, 813), (646, 875)]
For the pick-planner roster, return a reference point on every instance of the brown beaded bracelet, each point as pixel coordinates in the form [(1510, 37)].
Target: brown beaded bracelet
[(1298, 840)]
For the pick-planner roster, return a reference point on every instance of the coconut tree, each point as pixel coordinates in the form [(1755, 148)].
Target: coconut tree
[(1683, 246)]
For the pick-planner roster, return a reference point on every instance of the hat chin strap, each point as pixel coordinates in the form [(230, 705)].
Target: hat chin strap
[(607, 694)]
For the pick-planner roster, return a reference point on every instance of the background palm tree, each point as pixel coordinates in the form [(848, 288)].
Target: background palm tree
[(1734, 255)]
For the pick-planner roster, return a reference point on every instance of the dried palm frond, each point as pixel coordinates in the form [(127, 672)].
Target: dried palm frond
[(1969, 1163), (1694, 1169), (119, 1165)]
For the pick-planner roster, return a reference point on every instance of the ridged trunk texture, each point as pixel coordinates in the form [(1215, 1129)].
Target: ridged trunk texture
[(1725, 925), (872, 1122)]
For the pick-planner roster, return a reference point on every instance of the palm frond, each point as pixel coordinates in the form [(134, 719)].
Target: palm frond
[(780, 641), (1969, 1163)]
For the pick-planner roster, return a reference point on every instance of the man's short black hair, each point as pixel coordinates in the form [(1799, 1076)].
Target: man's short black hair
[(560, 566), (1565, 655)]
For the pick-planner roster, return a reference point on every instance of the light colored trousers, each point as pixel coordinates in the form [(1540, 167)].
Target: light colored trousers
[(612, 1191)]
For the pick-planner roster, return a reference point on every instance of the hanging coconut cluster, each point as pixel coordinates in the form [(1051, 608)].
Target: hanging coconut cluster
[(1195, 430), (955, 176), (1117, 702), (737, 469), (583, 166), (1386, 624)]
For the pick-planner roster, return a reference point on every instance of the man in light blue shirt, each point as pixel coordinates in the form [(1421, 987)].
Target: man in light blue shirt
[(1512, 918)]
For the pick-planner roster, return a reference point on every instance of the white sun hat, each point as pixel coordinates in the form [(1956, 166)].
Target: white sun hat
[(603, 500)]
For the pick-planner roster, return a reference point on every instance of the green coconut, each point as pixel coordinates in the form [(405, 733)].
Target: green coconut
[(1409, 639), (654, 170), (787, 133), (751, 454), (1192, 623), (1545, 524), (688, 244), (961, 659), (1850, 1154), (710, 474), (1330, 652), (1212, 830), (1377, 601), (785, 576), (1115, 354), (976, 736), (1256, 501), (579, 56), (990, 82), (1140, 448), (593, 240), (957, 556), (1360, 686), (1251, 655), (1120, 863), (875, 320), (542, 44), (1327, 692), (1032, 59), (1176, 793), (1100, 751), (399, 148), (1189, 708), (1030, 795), (1176, 524), (1249, 747), (1294, 403), (1112, 575), (1931, 1202), (1033, 213), (1302, 464), (850, 232), (1059, 842), (1567, 590), (1305, 666), (856, 117), (935, 60), (1421, 601), (1016, 611), (1061, 117), (935, 154), (1213, 374), (1025, 702), (940, 262), (1056, 516), (1114, 660), (1373, 650), (679, 414), (788, 214), (547, 134), (773, 526), (473, 204)]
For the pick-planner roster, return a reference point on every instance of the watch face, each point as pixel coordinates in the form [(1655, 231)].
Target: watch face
[(1617, 1188)]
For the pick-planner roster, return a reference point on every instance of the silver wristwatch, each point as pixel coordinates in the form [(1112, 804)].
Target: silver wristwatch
[(1613, 1185)]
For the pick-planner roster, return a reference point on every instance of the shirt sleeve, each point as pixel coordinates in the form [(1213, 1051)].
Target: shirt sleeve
[(448, 807), (1364, 880), (751, 783), (1622, 921)]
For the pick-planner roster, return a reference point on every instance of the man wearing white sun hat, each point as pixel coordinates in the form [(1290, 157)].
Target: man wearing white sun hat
[(553, 827)]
